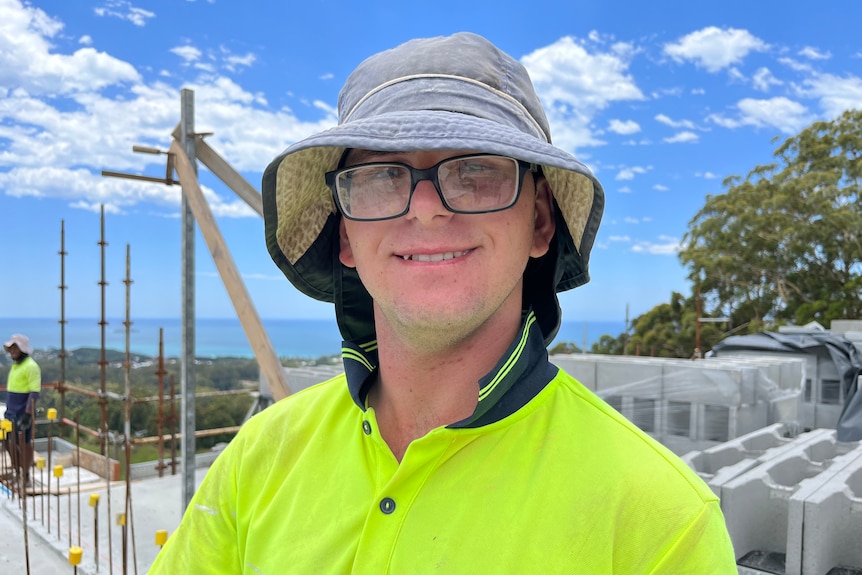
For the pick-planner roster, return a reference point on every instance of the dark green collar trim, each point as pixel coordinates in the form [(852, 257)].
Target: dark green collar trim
[(522, 372)]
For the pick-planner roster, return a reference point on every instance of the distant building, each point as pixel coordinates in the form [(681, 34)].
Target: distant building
[(833, 363)]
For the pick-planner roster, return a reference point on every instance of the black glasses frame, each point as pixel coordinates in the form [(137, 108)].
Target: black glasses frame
[(431, 174)]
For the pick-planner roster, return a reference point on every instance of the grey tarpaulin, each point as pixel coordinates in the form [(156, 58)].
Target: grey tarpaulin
[(845, 356)]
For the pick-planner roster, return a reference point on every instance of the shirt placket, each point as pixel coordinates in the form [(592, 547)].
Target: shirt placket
[(398, 486)]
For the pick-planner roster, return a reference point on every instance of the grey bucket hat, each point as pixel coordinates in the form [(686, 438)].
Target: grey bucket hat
[(447, 93)]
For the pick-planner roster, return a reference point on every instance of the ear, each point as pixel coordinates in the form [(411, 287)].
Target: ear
[(345, 253), (545, 221)]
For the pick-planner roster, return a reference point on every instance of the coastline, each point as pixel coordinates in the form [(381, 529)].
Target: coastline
[(224, 337)]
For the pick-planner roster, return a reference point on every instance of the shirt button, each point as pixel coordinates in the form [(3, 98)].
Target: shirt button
[(387, 505), (366, 427)]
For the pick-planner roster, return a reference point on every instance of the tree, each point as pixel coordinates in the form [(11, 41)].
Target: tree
[(564, 347), (785, 243), (610, 345), (667, 330)]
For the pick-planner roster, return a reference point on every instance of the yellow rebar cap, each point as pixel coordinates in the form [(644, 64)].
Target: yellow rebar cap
[(58, 471), (94, 499), (40, 462), (52, 413), (75, 554), (6, 425), (161, 537), (121, 519)]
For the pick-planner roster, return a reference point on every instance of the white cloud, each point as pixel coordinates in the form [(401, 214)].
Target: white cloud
[(682, 138), (625, 128), (619, 239), (814, 54), (630, 220), (188, 53), (714, 48), (667, 246), (660, 188), (786, 115), (628, 173), (212, 60), (65, 117), (795, 65), (706, 175), (835, 94), (86, 40), (124, 11), (575, 83), (763, 79), (328, 76), (656, 94), (27, 62), (625, 190), (698, 91), (233, 62), (736, 76), (662, 119)]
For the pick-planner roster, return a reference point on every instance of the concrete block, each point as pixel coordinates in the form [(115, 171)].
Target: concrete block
[(724, 462), (756, 502), (825, 518)]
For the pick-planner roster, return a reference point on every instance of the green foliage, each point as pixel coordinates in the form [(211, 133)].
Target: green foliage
[(785, 243), (564, 347), (83, 370), (610, 345), (667, 330)]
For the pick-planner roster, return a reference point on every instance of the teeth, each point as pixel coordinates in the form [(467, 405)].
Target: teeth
[(434, 257)]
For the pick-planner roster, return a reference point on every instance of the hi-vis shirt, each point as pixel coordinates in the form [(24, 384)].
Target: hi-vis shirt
[(24, 378), (543, 478)]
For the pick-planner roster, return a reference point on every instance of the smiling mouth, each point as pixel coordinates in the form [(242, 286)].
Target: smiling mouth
[(434, 257)]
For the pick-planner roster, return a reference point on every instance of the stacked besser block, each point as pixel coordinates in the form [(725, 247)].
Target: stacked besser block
[(793, 504), (689, 405)]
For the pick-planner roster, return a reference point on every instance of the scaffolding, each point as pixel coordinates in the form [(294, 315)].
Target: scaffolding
[(186, 148)]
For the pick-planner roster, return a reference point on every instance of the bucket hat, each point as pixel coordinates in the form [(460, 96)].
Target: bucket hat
[(447, 93), (22, 341)]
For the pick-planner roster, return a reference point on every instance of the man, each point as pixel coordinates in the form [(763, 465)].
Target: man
[(23, 386), (441, 221)]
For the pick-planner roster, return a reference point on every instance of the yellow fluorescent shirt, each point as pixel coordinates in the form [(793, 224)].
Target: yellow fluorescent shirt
[(564, 484), (24, 377), (293, 493)]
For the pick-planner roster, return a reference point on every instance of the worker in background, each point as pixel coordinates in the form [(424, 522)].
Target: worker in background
[(23, 386)]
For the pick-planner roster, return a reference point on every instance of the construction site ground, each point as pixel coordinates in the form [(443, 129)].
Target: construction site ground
[(156, 504)]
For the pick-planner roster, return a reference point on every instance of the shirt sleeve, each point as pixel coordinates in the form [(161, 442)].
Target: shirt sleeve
[(206, 540), (703, 548)]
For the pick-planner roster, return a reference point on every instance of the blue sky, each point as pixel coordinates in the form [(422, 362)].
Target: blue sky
[(662, 100)]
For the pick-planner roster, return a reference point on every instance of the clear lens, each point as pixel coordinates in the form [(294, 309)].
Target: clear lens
[(374, 191), (479, 183)]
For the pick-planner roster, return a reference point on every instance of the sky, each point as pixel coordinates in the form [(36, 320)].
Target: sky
[(663, 101)]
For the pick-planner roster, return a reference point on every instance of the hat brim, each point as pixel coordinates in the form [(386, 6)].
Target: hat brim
[(298, 206), (23, 346)]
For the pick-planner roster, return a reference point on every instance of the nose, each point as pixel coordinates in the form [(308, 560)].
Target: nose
[(426, 203)]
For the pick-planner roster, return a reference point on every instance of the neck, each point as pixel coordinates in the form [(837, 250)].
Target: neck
[(423, 386)]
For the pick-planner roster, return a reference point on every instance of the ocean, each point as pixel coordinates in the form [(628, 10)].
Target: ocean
[(294, 338)]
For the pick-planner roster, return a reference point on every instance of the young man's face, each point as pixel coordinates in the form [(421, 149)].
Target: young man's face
[(432, 269)]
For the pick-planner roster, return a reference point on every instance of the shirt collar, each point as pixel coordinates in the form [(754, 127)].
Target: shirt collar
[(522, 371)]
